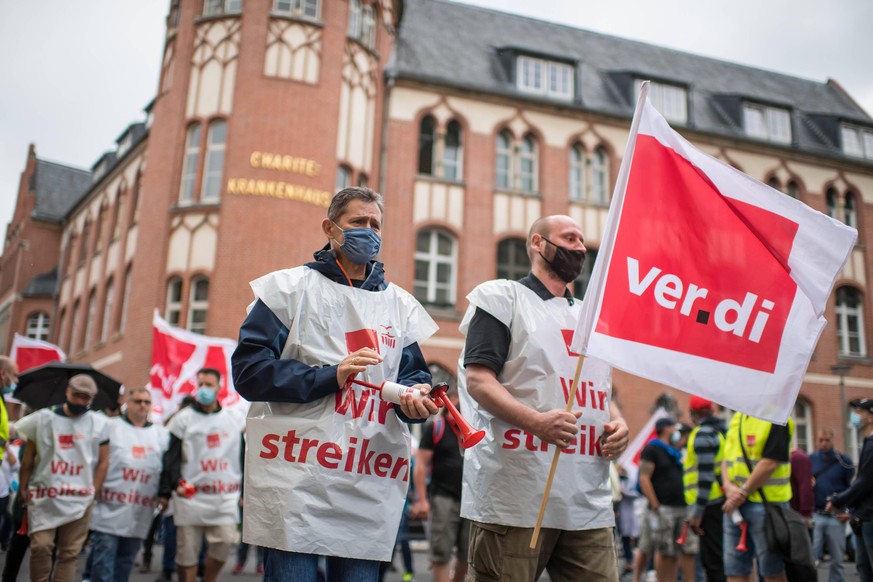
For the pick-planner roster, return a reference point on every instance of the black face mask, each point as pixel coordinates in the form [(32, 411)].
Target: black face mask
[(78, 409), (566, 264)]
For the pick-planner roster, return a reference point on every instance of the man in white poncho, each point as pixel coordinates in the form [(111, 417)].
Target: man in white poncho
[(327, 463)]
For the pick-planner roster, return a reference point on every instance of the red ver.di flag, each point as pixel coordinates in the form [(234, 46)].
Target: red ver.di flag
[(30, 353), (177, 355), (708, 280)]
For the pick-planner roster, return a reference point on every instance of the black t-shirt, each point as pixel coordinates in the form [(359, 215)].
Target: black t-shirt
[(447, 465), (667, 478), (778, 444)]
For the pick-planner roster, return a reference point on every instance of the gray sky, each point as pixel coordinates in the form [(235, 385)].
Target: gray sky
[(74, 74)]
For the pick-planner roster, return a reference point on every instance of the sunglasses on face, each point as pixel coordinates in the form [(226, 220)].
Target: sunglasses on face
[(141, 401)]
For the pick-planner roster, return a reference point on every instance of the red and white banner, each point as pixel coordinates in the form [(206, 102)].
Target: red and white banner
[(31, 353), (630, 459), (177, 355), (708, 280)]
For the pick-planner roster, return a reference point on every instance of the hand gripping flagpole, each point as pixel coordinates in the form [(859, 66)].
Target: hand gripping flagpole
[(545, 501)]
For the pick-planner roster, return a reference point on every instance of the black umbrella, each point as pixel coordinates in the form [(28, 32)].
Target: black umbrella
[(47, 385)]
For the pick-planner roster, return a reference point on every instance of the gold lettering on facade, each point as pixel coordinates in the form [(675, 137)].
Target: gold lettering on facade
[(281, 190), (285, 163)]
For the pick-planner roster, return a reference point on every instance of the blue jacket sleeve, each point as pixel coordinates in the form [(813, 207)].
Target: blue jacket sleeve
[(259, 373), (413, 370)]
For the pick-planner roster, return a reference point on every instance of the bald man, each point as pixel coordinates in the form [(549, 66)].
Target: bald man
[(515, 362)]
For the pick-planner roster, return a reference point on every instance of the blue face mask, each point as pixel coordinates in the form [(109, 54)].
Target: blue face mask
[(855, 419), (360, 245), (206, 395), (10, 389)]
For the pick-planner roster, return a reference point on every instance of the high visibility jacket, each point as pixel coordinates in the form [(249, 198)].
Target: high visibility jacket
[(691, 474), (754, 434)]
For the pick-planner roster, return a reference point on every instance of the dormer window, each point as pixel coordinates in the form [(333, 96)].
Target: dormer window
[(857, 141), (544, 77), (671, 101), (299, 8), (768, 123), (124, 144), (219, 7)]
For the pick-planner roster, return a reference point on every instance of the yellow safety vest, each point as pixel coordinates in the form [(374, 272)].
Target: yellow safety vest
[(755, 432), (691, 474)]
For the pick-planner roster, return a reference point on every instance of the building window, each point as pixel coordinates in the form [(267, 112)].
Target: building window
[(803, 426), (189, 164), (89, 322), (671, 101), (362, 23), (343, 177), (84, 242), (769, 123), (100, 227), (61, 328), (426, 142), (850, 322), (214, 166), (173, 311), (504, 160), (580, 285), (76, 335), (116, 215), (134, 199), (831, 203), (528, 164), (198, 305), (108, 301), (125, 300), (435, 259), (850, 215), (304, 8), (543, 77), (599, 177), (577, 173), (363, 180), (792, 189), (512, 260), (857, 141), (452, 152), (38, 326), (219, 7)]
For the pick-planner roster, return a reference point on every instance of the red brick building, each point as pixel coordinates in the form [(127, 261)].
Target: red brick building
[(471, 122)]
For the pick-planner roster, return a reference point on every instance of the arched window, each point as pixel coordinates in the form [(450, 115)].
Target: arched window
[(76, 335), (71, 254), (125, 299), (38, 326), (435, 260), (803, 433), (577, 173), (198, 305), (61, 329), (99, 230), (368, 27), (831, 203), (173, 310), (528, 164), (116, 215), (792, 189), (580, 285), (189, 164), (426, 141), (89, 322), (503, 159), (343, 177), (354, 18), (512, 260), (773, 182), (134, 200), (108, 302), (850, 322), (85, 241), (600, 177), (452, 152), (850, 214), (214, 165)]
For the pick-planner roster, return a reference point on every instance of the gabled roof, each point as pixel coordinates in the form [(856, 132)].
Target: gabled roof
[(463, 46), (58, 188)]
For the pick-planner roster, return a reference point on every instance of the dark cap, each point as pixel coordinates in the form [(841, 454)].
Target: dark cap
[(83, 384), (865, 403), (663, 423)]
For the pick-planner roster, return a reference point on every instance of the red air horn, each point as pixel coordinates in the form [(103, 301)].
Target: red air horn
[(391, 392), (737, 518), (684, 535)]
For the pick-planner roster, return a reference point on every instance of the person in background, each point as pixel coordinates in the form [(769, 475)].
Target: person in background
[(8, 477), (859, 496), (627, 521), (802, 492), (832, 473)]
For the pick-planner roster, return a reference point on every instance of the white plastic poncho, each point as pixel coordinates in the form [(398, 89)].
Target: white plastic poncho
[(330, 477), (211, 453), (125, 506), (505, 474), (67, 450)]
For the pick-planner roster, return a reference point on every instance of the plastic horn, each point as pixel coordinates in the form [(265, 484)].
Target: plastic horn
[(469, 436), (684, 535), (22, 531), (744, 531)]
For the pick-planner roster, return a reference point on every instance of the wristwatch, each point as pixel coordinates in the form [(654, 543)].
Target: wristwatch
[(744, 490)]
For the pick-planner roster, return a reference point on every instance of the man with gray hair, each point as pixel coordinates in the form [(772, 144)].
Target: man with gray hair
[(64, 466), (337, 488)]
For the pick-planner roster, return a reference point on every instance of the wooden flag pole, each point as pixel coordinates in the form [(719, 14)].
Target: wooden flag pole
[(545, 501)]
